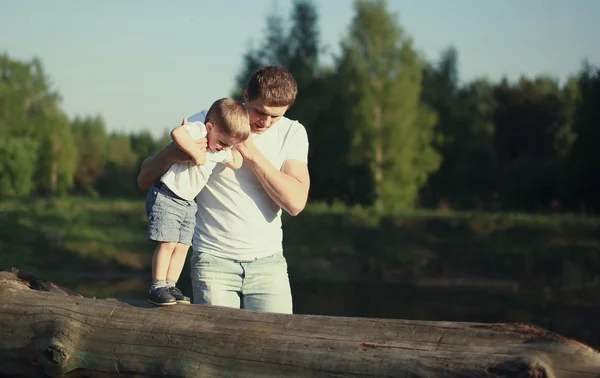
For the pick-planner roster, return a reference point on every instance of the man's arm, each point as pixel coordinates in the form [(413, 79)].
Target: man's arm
[(289, 187), (156, 165)]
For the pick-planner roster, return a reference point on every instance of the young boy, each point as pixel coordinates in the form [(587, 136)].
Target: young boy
[(170, 204)]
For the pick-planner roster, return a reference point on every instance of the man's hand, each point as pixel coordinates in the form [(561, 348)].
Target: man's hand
[(200, 159), (248, 149), (287, 187)]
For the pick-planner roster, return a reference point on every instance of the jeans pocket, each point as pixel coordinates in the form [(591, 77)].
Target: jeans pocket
[(199, 258), (279, 258)]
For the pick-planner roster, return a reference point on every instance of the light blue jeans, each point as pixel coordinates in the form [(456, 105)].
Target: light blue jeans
[(260, 285)]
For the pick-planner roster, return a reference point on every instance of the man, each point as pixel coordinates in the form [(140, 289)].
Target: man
[(237, 254)]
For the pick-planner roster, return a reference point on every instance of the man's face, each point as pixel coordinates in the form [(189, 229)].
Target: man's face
[(262, 117)]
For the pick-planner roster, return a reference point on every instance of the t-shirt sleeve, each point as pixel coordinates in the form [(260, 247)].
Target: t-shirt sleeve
[(198, 117), (227, 157), (220, 157), (196, 130), (297, 148)]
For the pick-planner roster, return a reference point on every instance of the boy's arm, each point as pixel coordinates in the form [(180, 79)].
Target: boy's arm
[(183, 139), (156, 165), (237, 159)]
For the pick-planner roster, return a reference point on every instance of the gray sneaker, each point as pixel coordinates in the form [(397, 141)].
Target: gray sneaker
[(161, 296), (179, 297)]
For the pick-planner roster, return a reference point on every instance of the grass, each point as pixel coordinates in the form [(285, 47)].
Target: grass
[(333, 242), (74, 234)]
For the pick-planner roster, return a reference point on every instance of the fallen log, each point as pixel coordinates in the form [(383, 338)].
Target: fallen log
[(46, 330)]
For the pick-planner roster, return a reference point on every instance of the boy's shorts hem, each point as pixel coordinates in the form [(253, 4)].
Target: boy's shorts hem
[(168, 240)]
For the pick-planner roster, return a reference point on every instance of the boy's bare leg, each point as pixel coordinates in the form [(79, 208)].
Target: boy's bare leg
[(177, 262), (161, 260), (175, 268), (159, 293)]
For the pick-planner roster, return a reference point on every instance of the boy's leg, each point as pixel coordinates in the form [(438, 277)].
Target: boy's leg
[(177, 262), (165, 214), (186, 234), (216, 281), (161, 260), (175, 268), (159, 292), (266, 287)]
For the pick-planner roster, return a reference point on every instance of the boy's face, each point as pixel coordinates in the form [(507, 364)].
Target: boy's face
[(216, 140), (261, 116)]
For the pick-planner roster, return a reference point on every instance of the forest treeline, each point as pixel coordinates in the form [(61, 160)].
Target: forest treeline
[(388, 127)]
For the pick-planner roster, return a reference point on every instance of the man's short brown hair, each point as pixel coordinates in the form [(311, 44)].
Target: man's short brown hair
[(274, 85), (231, 117)]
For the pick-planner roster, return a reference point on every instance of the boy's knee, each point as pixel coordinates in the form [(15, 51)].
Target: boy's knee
[(181, 249), (170, 246)]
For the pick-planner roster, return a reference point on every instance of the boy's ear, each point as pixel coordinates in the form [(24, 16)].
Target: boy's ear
[(209, 126), (246, 96)]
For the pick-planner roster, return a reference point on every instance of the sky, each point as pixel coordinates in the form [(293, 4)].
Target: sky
[(146, 64)]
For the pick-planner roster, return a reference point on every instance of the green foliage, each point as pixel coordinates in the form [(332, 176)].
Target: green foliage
[(558, 250), (42, 152), (32, 120), (91, 139), (464, 136), (57, 156), (584, 156), (121, 168), (387, 128), (392, 131), (17, 167)]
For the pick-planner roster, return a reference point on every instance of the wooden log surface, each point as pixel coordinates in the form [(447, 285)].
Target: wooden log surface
[(48, 331)]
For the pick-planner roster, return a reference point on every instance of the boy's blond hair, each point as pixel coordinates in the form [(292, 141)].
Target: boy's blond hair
[(231, 117)]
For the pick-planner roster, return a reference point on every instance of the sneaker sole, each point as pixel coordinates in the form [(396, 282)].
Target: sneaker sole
[(161, 304), (183, 302)]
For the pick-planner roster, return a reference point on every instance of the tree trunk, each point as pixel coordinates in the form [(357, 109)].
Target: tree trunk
[(56, 332), (377, 121)]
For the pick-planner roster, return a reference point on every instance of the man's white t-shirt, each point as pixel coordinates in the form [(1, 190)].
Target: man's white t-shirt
[(187, 179), (236, 218)]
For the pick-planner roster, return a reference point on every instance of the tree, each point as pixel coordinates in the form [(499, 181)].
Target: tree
[(57, 157), (274, 50), (90, 137), (466, 129), (122, 165), (584, 156), (533, 120), (296, 49), (17, 167), (393, 131), (31, 119)]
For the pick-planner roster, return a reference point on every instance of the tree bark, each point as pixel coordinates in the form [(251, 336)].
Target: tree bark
[(49, 331)]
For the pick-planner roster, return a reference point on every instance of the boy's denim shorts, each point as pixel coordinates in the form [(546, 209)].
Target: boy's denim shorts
[(170, 218)]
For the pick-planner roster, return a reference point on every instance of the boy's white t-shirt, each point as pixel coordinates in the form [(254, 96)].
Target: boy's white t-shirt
[(186, 179), (236, 218)]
